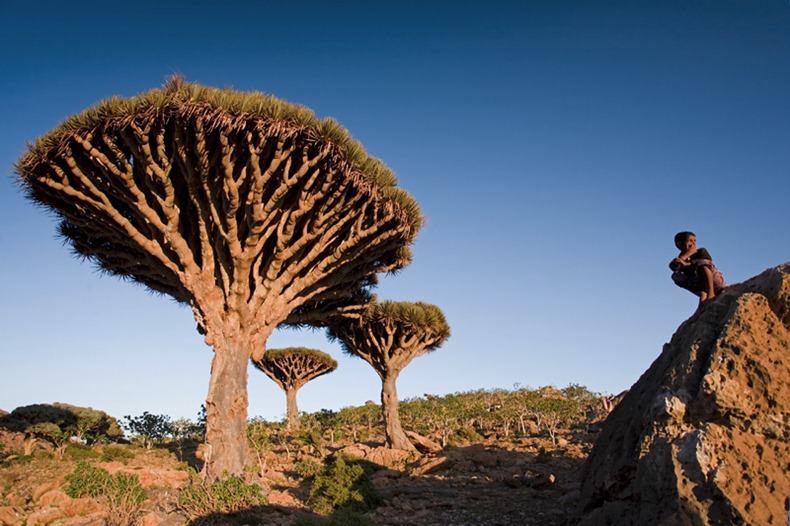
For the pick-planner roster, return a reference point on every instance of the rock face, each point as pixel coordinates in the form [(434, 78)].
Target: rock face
[(703, 437)]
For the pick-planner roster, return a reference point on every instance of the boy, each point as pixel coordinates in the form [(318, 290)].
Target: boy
[(694, 270)]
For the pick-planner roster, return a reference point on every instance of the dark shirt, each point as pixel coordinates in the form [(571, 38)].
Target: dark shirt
[(701, 253), (694, 258)]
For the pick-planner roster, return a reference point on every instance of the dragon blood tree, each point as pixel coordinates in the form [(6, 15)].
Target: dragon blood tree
[(245, 207), (291, 368), (389, 335)]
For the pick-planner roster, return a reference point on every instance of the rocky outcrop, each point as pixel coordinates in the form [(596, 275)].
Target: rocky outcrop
[(703, 437)]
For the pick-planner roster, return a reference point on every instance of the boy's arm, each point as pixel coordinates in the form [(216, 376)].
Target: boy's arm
[(682, 260), (686, 254)]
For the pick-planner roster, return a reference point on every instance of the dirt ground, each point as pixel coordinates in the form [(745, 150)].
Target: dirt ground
[(525, 481)]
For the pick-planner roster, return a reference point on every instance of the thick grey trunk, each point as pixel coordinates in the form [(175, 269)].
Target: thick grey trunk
[(292, 409), (226, 411), (396, 438)]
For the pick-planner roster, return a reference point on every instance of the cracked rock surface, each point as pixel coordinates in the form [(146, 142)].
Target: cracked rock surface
[(703, 437)]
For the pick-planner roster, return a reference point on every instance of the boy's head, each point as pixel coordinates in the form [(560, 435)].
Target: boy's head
[(682, 240)]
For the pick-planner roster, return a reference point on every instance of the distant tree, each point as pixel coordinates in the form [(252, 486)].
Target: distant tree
[(359, 418), (92, 425), (184, 429), (246, 208), (58, 423), (551, 412), (149, 428), (291, 368), (389, 335)]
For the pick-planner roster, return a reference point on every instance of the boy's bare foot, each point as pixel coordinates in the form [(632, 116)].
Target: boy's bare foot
[(705, 298)]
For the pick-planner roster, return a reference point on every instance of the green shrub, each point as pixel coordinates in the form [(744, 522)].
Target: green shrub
[(229, 495), (307, 468), (116, 453), (19, 459), (313, 439), (86, 481), (121, 493), (467, 434), (344, 483), (78, 451)]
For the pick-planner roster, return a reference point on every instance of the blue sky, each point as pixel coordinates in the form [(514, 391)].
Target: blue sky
[(554, 146)]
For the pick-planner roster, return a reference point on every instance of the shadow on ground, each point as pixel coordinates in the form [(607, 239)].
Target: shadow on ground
[(474, 485)]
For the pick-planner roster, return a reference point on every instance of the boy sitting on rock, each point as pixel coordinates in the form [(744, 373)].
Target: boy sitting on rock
[(694, 270)]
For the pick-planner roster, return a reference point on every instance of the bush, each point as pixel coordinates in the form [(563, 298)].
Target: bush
[(307, 468), (313, 439), (121, 493), (86, 481), (344, 483), (229, 495), (465, 434), (77, 451), (116, 453)]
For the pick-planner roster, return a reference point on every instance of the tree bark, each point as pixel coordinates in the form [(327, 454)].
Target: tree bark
[(396, 438), (226, 448), (292, 411)]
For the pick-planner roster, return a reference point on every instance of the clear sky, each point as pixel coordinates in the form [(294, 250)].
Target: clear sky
[(555, 148)]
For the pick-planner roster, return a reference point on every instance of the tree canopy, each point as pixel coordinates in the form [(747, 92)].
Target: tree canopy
[(57, 421), (186, 184), (392, 333)]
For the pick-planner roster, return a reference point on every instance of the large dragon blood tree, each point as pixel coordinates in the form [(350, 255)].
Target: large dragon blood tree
[(389, 335), (245, 207)]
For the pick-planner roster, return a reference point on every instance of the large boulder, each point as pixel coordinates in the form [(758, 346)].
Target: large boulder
[(703, 437)]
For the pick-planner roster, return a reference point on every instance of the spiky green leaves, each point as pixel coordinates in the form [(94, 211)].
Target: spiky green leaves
[(292, 367), (230, 201), (226, 108), (390, 334), (425, 316)]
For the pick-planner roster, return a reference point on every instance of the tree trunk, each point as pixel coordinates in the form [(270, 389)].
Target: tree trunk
[(226, 411), (292, 411), (396, 438)]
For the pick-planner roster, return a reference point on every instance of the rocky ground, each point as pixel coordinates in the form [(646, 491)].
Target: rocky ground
[(703, 437), (525, 481)]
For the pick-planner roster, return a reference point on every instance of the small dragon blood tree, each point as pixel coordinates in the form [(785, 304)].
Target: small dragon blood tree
[(389, 335), (291, 368)]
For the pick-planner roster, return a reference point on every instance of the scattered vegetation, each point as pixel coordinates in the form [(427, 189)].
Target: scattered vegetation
[(541, 420), (80, 451), (227, 495), (344, 483), (121, 493), (116, 454), (455, 419)]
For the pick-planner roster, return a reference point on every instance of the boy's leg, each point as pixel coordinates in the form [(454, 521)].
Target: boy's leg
[(707, 291), (685, 281)]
